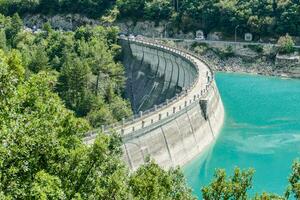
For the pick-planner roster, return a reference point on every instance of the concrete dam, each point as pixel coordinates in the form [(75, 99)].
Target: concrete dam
[(177, 106)]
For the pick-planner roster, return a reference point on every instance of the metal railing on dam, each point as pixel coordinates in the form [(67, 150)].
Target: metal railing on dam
[(197, 107)]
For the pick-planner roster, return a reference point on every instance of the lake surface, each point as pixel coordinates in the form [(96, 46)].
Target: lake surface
[(261, 130)]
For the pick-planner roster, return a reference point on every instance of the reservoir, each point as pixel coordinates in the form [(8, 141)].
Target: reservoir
[(261, 131)]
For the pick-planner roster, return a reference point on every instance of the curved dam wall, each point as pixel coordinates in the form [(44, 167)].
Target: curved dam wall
[(154, 75), (178, 108)]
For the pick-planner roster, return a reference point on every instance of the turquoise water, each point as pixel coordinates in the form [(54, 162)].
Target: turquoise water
[(261, 130)]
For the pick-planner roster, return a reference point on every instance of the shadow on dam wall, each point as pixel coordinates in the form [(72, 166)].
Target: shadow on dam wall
[(155, 75), (177, 106)]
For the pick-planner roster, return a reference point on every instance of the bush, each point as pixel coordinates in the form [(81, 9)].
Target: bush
[(286, 44), (199, 48), (224, 53), (256, 48)]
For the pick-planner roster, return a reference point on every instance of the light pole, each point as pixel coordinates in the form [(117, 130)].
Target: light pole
[(166, 26), (235, 32), (176, 3)]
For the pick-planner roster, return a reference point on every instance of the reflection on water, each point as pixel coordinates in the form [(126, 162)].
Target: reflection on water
[(262, 130)]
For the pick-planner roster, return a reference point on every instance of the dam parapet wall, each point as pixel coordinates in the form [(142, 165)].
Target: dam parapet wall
[(180, 127)]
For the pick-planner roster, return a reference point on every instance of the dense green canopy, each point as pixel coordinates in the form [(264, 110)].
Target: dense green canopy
[(90, 78), (260, 17)]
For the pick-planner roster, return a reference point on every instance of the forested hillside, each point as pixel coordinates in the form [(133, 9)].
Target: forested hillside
[(261, 17), (90, 79)]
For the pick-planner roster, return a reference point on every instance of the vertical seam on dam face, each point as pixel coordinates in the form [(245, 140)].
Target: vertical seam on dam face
[(192, 128), (165, 79), (173, 131), (167, 145), (128, 156)]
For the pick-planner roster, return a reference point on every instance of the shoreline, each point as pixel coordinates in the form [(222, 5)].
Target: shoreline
[(278, 75), (256, 66)]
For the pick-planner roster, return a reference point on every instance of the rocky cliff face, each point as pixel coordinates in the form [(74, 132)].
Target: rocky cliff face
[(65, 22), (72, 21)]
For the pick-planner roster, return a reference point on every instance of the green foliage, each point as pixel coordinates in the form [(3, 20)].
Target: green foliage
[(14, 26), (119, 108), (100, 116), (89, 74), (42, 155), (3, 40), (158, 10), (73, 84), (294, 182), (256, 48), (150, 182), (35, 131), (155, 10), (266, 196), (224, 53), (133, 8), (94, 8), (11, 73), (286, 44), (46, 186), (237, 186), (200, 48), (234, 187), (39, 59), (262, 18)]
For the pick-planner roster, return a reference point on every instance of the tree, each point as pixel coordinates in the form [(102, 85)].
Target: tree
[(14, 27), (150, 182), (266, 196), (73, 84), (100, 116), (47, 28), (3, 41), (49, 6), (11, 74), (120, 108), (294, 181), (158, 10), (133, 8), (237, 186), (286, 44), (44, 156), (234, 187), (39, 59), (46, 186)]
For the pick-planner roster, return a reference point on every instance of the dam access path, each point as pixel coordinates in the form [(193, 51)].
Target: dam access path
[(177, 106)]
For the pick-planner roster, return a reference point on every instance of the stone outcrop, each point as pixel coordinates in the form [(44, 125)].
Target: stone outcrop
[(72, 21)]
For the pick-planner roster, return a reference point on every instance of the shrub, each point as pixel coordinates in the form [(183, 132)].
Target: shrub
[(286, 44), (257, 48)]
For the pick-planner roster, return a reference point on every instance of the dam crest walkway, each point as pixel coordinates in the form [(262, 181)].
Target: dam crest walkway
[(201, 96)]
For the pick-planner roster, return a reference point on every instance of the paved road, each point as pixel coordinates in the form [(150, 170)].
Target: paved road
[(224, 42)]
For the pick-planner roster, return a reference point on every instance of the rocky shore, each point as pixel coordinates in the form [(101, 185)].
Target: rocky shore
[(237, 64), (253, 65)]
